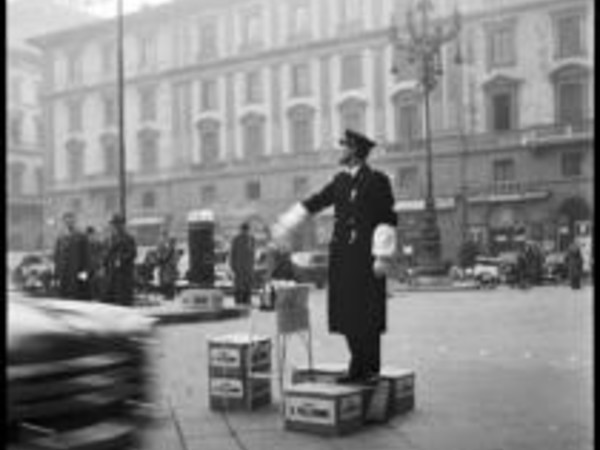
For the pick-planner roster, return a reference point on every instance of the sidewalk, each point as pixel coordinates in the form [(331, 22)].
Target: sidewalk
[(495, 370)]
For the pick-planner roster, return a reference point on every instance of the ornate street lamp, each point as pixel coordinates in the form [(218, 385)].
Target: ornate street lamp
[(422, 43)]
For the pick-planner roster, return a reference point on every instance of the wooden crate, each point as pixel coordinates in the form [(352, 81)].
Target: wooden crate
[(323, 408), (202, 299), (229, 355), (230, 394), (403, 389)]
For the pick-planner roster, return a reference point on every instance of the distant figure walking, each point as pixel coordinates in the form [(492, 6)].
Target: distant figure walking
[(575, 265), (167, 257), (71, 261), (241, 260), (119, 264)]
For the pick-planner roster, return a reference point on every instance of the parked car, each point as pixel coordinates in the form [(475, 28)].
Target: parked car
[(555, 267), (77, 374), (508, 267), (34, 274), (487, 271), (311, 267)]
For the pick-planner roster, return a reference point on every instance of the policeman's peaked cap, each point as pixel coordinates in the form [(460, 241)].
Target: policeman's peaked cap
[(358, 142)]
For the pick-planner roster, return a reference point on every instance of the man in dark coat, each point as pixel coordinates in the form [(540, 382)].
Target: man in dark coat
[(241, 261), (167, 258), (96, 258), (360, 252), (574, 261), (119, 263), (71, 261)]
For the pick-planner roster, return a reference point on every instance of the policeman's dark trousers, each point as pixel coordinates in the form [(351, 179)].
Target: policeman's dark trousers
[(365, 351)]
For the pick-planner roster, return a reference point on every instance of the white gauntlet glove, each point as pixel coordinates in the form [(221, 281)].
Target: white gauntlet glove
[(384, 248), (287, 223)]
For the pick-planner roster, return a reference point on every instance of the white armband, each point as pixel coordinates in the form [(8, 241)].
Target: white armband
[(384, 241), (290, 220)]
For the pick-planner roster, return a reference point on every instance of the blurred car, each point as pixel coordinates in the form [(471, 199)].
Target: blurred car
[(555, 267), (77, 374), (311, 267), (487, 271), (508, 267), (34, 274)]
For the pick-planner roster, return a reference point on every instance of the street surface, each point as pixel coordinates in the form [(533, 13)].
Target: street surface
[(495, 370)]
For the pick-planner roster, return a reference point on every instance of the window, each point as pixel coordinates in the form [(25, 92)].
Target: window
[(253, 190), (350, 10), (209, 95), (572, 164), (408, 118), (39, 130), (149, 200), (110, 111), (209, 141), (300, 80), (571, 95), (251, 27), (502, 104), (254, 136), (501, 45), (207, 40), (110, 202), (39, 179), (148, 152), (75, 162), (111, 157), (146, 51), (147, 103), (408, 178), (300, 187), (74, 67), (569, 35), (353, 115), (17, 170), (302, 129), (253, 87), (108, 57), (75, 116), (75, 204), (208, 194), (352, 71), (182, 108), (503, 170), (16, 127), (299, 18)]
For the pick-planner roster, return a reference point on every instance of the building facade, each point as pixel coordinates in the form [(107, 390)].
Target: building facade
[(25, 129), (237, 107)]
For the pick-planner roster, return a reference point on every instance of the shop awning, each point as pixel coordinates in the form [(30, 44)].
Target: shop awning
[(512, 197)]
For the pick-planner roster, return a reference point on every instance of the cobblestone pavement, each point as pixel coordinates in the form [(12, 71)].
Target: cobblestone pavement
[(495, 370)]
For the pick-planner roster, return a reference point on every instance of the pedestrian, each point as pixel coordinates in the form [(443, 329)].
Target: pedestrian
[(167, 258), (119, 263), (521, 269), (361, 252), (574, 265), (96, 257), (71, 261), (241, 261)]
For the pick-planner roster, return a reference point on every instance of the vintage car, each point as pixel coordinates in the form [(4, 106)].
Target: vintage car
[(78, 375), (311, 267)]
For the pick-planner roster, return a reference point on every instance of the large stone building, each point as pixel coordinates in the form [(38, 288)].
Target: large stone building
[(24, 125), (237, 107)]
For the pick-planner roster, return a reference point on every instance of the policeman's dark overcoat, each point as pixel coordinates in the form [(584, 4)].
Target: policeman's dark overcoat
[(357, 298), (119, 265), (71, 257)]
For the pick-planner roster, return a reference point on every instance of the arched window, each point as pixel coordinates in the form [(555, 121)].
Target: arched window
[(352, 114), (502, 99), (75, 159), (148, 147), (571, 92), (301, 119), (149, 200), (208, 136), (253, 126), (407, 117), (110, 148)]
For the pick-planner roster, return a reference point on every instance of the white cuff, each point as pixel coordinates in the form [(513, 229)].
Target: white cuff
[(384, 241), (290, 220)]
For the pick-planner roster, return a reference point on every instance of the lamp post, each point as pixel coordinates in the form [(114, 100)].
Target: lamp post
[(423, 44), (121, 108)]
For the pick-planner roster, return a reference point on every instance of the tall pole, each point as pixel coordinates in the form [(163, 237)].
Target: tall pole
[(423, 46), (121, 112)]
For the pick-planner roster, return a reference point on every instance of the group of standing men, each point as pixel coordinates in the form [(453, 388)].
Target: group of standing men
[(88, 267)]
